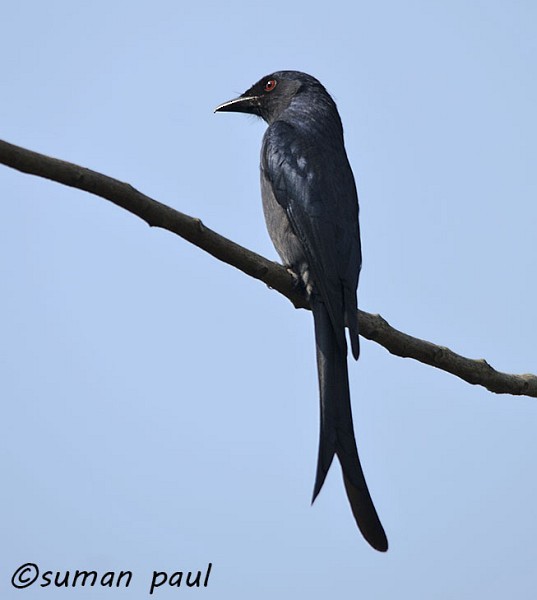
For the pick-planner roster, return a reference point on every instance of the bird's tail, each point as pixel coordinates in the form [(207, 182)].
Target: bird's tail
[(337, 432)]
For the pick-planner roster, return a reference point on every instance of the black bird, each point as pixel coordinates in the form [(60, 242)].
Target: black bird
[(311, 210)]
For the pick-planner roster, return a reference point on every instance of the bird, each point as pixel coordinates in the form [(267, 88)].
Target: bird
[(311, 211)]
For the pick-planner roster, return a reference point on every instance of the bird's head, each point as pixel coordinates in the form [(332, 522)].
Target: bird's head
[(271, 95)]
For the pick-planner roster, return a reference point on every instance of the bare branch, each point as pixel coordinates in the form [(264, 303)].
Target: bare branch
[(372, 327)]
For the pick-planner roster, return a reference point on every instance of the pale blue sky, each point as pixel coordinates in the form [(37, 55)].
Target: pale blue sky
[(159, 408)]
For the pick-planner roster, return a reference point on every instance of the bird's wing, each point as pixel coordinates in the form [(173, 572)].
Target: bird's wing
[(311, 194)]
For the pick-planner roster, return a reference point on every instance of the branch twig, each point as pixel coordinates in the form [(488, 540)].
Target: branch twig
[(372, 327)]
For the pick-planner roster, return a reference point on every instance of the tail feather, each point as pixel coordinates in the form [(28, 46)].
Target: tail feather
[(337, 432)]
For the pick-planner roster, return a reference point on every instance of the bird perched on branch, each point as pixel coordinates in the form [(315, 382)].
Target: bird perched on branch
[(311, 210)]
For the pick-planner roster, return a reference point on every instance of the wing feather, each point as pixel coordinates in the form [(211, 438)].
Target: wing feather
[(312, 185)]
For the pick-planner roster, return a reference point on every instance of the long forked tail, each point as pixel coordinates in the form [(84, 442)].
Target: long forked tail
[(337, 432)]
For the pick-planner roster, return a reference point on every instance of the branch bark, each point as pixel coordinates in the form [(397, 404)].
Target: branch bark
[(156, 214)]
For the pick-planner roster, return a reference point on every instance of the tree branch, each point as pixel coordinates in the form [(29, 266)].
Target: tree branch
[(372, 327)]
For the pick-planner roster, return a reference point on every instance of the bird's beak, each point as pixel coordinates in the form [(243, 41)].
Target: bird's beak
[(244, 104)]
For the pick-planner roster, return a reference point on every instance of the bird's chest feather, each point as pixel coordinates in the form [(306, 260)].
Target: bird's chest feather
[(279, 227)]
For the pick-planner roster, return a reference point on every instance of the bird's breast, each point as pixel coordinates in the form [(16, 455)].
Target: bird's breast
[(280, 230)]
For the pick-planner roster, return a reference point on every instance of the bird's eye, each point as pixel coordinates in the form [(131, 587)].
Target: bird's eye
[(270, 85)]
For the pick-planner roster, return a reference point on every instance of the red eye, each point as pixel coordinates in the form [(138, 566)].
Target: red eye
[(270, 85)]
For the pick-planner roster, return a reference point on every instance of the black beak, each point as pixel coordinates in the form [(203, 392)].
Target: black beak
[(244, 104)]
